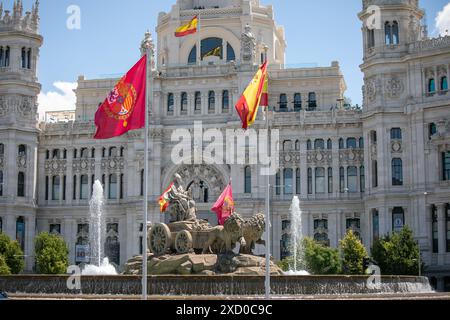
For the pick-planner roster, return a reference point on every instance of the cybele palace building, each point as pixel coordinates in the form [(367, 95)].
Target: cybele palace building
[(372, 170)]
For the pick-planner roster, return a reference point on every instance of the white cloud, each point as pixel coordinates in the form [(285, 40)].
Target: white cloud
[(443, 20), (62, 99)]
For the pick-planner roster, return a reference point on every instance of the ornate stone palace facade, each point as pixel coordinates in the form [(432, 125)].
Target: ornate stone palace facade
[(372, 170)]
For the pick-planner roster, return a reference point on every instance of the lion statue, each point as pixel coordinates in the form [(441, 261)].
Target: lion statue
[(252, 231), (222, 239)]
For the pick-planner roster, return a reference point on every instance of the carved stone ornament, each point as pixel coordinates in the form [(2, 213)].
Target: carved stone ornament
[(248, 44), (394, 88)]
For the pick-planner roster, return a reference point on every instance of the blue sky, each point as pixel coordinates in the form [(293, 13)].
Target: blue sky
[(317, 32)]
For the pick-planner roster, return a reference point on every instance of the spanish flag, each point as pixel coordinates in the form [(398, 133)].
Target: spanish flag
[(164, 199), (216, 52), (187, 29), (248, 104)]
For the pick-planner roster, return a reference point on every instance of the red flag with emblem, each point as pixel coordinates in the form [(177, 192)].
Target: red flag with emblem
[(124, 108), (224, 206)]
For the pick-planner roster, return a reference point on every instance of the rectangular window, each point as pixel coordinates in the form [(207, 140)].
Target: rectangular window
[(320, 180), (46, 188), (298, 186), (288, 181), (396, 134), (352, 179), (55, 229), (435, 228), (310, 187), (74, 197), (277, 184), (64, 187), (121, 186), (375, 225), (21, 185), (362, 177), (447, 221), (84, 189), (330, 180), (341, 180), (446, 166), (56, 185), (375, 174), (398, 219)]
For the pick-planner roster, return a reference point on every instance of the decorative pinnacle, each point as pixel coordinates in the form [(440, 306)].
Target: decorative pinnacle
[(147, 43)]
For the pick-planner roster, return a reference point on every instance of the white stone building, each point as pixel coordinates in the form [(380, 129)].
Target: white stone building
[(372, 170)]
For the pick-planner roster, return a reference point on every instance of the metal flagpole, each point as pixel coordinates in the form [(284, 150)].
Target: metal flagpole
[(199, 41), (149, 53), (267, 283)]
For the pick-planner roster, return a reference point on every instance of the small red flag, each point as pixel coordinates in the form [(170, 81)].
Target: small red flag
[(124, 108), (224, 206)]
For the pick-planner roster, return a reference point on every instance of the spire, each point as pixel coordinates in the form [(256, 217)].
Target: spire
[(35, 14), (1, 10)]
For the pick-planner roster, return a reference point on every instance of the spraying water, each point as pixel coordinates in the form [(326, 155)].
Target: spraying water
[(296, 237), (97, 232)]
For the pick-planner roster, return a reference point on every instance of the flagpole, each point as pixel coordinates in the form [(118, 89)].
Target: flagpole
[(199, 41), (149, 53), (267, 282)]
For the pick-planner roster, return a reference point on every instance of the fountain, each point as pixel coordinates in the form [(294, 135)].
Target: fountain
[(296, 238), (97, 229)]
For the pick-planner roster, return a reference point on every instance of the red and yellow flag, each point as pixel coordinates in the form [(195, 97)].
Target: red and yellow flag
[(265, 94), (164, 199), (187, 29), (224, 206), (248, 104), (124, 108)]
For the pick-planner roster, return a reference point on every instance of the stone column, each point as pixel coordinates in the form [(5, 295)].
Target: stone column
[(219, 106), (30, 227), (276, 237), (382, 226), (441, 233)]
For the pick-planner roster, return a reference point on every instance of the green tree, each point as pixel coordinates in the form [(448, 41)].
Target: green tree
[(398, 254), (353, 254), (12, 253), (319, 259), (4, 269), (51, 254)]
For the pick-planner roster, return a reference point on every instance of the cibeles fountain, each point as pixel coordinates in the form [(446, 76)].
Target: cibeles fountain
[(190, 246)]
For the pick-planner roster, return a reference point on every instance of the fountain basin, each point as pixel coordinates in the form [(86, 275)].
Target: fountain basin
[(226, 285)]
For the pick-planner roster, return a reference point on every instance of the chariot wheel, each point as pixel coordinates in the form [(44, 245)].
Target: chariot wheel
[(183, 242), (160, 239)]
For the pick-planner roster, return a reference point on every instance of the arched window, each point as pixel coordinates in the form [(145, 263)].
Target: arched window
[(65, 154), (431, 85), (432, 129), (312, 101), (212, 47), (24, 58), (225, 100), (444, 83), (184, 102), (7, 56), (231, 56), (288, 181), (287, 145), (297, 102), (170, 102), (56, 183), (330, 180), (1, 183), (56, 154), (362, 178), (373, 137), (192, 59), (319, 144), (84, 153), (84, 187), (341, 144), (29, 58), (248, 180), (2, 149), (298, 186), (342, 180), (22, 150), (20, 232), (397, 172), (370, 38), (398, 219), (352, 179), (435, 229), (351, 143), (446, 166), (310, 187), (283, 102), (395, 33), (211, 101), (278, 183), (308, 145), (329, 144), (113, 152), (320, 180), (21, 184), (112, 186), (198, 101), (396, 134), (297, 145), (388, 33)]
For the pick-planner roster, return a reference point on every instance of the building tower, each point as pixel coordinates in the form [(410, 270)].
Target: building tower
[(19, 51)]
